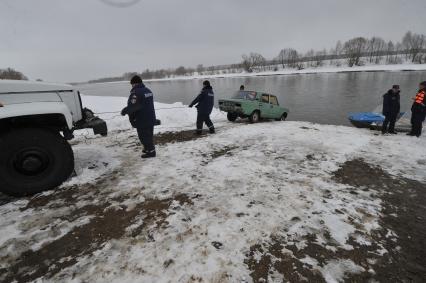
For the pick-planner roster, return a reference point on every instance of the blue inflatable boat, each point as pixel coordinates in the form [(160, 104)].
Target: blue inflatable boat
[(367, 119)]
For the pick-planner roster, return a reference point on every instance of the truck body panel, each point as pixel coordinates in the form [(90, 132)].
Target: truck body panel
[(37, 108)]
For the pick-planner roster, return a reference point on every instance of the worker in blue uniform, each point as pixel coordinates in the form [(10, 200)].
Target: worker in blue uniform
[(204, 102), (141, 112)]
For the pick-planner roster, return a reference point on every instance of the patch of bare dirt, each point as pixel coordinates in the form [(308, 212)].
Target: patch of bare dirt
[(404, 213), (225, 151), (176, 137), (73, 194), (108, 223), (288, 264)]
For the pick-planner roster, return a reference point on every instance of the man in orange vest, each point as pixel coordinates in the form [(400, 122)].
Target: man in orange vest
[(418, 111)]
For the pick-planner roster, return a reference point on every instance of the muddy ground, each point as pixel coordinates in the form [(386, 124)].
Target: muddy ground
[(404, 213)]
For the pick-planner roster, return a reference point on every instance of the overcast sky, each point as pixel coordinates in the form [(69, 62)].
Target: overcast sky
[(78, 40)]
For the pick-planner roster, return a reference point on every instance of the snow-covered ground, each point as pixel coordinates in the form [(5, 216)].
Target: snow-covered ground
[(200, 211)]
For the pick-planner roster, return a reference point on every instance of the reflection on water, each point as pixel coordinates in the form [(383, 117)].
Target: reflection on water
[(320, 98)]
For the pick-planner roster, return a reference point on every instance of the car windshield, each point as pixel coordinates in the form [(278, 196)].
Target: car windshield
[(249, 95)]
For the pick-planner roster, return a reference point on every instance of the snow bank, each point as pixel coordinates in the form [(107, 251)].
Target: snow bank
[(325, 69)]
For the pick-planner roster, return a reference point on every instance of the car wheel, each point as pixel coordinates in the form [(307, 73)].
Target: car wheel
[(33, 160), (254, 117), (232, 117), (283, 117)]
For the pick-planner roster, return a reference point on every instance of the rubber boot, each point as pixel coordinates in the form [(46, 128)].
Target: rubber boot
[(149, 154)]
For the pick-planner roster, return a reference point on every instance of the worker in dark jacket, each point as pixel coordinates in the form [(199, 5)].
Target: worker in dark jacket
[(205, 102), (418, 111), (391, 108), (140, 108)]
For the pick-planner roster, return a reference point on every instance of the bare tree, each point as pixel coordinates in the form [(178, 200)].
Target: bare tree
[(339, 48), (310, 58), (414, 44), (11, 74), (375, 47), (253, 61), (320, 57), (210, 70), (200, 69), (180, 71), (282, 57), (353, 50), (289, 57), (390, 48)]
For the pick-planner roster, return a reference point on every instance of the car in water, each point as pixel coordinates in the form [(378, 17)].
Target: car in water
[(253, 105)]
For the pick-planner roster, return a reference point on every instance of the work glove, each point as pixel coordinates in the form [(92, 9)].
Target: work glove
[(124, 111)]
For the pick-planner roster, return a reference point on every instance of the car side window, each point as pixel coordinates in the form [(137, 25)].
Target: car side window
[(251, 95), (273, 100), (265, 98)]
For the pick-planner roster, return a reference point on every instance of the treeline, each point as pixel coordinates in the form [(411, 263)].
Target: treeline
[(354, 52), (11, 74), (168, 73), (357, 51)]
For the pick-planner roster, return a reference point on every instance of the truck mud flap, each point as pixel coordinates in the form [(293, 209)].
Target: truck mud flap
[(90, 121), (99, 127)]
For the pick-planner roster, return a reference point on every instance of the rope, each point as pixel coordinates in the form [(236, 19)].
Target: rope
[(168, 108), (87, 138)]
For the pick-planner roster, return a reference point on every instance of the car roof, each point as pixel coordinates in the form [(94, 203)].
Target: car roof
[(259, 92), (15, 86)]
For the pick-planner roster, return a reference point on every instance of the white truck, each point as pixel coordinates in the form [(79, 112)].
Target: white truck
[(36, 120)]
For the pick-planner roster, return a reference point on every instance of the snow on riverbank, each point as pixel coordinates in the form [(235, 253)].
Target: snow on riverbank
[(319, 70), (211, 202)]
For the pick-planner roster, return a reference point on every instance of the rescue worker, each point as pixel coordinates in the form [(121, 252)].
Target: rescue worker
[(140, 108), (418, 111), (205, 102), (391, 108)]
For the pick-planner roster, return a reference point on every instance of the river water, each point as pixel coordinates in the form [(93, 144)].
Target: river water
[(321, 98)]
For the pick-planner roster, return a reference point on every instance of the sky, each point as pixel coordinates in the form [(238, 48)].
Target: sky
[(79, 40)]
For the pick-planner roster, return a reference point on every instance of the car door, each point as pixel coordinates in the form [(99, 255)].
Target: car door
[(276, 109), (265, 107)]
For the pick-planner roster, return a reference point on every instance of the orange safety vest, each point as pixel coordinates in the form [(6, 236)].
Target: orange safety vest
[(420, 97)]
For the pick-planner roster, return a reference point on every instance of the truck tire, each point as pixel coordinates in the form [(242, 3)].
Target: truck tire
[(33, 160), (232, 117), (254, 117)]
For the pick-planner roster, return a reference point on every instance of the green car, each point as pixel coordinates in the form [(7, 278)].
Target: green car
[(253, 105)]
